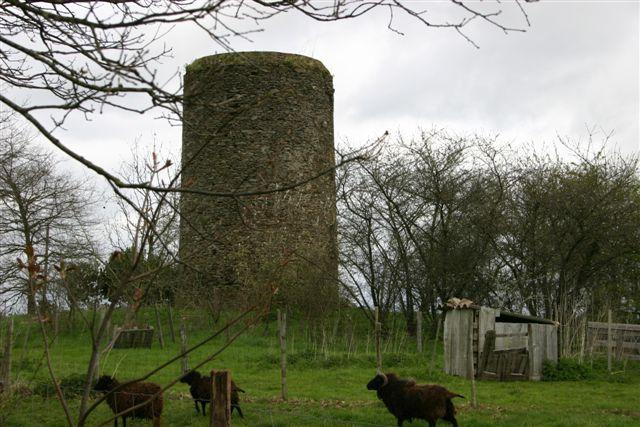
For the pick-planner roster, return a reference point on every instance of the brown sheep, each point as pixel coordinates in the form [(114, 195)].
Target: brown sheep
[(200, 388), (407, 400), (131, 395)]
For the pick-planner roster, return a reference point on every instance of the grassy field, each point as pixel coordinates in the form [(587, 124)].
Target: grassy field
[(326, 384)]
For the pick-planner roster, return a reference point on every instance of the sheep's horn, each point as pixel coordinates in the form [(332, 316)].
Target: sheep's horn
[(384, 377), (117, 366)]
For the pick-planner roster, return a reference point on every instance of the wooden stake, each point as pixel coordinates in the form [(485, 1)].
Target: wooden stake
[(378, 333), (282, 335), (25, 345), (183, 346), (419, 330), (56, 326), (221, 393), (171, 328), (159, 326), (5, 367), (609, 339), (474, 396), (435, 345), (583, 338)]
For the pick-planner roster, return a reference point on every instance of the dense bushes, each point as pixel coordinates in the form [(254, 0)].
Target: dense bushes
[(566, 370), (71, 385)]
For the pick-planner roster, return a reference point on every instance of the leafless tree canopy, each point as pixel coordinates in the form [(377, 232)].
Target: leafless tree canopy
[(39, 208), (441, 216), (62, 57)]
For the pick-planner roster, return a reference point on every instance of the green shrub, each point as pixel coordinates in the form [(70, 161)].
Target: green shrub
[(27, 364), (71, 386), (566, 370)]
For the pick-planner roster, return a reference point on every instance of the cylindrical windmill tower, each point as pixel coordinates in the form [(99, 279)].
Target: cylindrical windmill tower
[(255, 122)]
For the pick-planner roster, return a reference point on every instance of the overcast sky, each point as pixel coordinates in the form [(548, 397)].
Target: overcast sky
[(577, 66)]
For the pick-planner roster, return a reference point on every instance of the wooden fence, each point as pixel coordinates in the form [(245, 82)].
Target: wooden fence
[(624, 340), (134, 338)]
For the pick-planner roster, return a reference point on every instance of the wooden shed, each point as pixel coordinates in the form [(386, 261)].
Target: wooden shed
[(504, 346)]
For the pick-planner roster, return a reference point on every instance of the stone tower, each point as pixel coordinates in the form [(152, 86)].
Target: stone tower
[(254, 122)]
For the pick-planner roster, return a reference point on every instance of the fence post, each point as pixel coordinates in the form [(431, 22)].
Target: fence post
[(419, 330), (5, 368), (620, 334), (378, 332), (221, 395), (435, 344), (609, 343), (474, 396), (171, 329), (159, 326), (583, 338), (56, 326), (282, 335), (183, 346)]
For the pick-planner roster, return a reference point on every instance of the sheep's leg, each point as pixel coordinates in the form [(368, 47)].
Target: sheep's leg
[(400, 421), (204, 407), (432, 423), (237, 408), (450, 415), (124, 421), (197, 407), (451, 418)]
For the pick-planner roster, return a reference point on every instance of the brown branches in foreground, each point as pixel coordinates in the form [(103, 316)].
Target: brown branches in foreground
[(61, 58)]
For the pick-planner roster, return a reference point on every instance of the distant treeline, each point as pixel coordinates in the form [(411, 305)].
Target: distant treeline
[(554, 231)]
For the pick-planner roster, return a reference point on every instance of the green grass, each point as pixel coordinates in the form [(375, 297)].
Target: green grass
[(324, 389)]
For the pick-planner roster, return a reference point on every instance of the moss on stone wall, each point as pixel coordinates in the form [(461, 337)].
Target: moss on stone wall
[(255, 59), (256, 121)]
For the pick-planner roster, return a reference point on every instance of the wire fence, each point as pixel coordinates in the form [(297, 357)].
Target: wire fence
[(253, 362)]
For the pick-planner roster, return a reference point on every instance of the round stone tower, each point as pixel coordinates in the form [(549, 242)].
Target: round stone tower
[(255, 122)]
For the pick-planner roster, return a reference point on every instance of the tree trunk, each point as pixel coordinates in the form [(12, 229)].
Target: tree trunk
[(31, 304)]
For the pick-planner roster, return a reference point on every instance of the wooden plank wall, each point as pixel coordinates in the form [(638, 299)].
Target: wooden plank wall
[(536, 347), (486, 322), (551, 349), (625, 339), (457, 327), (539, 339), (542, 345), (510, 336)]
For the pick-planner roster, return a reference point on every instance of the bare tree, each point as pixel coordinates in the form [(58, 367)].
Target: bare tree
[(66, 57), (40, 208), (570, 237), (63, 58), (417, 222)]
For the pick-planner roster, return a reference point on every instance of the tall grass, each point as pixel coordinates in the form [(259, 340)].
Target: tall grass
[(329, 363)]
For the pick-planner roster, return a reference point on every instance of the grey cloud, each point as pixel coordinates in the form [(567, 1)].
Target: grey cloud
[(576, 65)]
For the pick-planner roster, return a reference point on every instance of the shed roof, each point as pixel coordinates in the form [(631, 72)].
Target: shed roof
[(507, 316), (510, 317)]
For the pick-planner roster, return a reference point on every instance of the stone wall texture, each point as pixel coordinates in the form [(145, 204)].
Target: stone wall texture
[(256, 121)]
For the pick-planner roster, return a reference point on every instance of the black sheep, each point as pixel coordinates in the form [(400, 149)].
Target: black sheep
[(132, 395), (200, 388), (407, 400)]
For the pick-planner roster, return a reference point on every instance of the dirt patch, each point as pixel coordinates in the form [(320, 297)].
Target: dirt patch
[(323, 403), (626, 412)]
